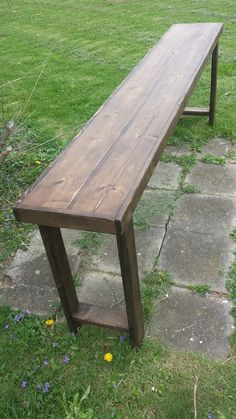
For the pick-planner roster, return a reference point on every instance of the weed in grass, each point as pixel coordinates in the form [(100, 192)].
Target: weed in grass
[(117, 389), (73, 409), (233, 234), (231, 282), (77, 281), (212, 159), (13, 236), (89, 242), (231, 287), (190, 189), (231, 155), (200, 289), (186, 162), (153, 286), (148, 208)]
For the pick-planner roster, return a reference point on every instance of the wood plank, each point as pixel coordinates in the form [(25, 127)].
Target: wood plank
[(130, 279), (101, 316), (103, 172), (196, 111), (52, 217), (59, 263), (214, 68)]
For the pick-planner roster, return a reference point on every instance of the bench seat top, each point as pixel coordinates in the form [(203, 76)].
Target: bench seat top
[(96, 182)]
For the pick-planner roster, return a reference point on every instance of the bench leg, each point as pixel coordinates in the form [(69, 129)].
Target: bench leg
[(129, 272), (214, 66), (55, 249)]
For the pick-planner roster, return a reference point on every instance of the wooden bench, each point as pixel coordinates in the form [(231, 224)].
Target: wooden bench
[(96, 183)]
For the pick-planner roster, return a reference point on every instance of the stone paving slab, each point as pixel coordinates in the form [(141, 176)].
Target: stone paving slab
[(148, 244), (205, 214), (193, 323), (218, 147), (165, 176), (180, 150), (214, 179), (31, 285), (102, 289), (195, 259)]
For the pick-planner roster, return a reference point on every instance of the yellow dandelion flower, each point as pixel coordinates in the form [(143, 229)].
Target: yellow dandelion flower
[(108, 357), (49, 322), (38, 162)]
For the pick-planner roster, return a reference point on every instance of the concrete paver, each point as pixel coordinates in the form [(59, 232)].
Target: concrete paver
[(165, 176), (31, 285), (218, 147), (195, 259), (214, 179), (205, 214), (197, 324), (180, 150), (148, 243), (102, 289)]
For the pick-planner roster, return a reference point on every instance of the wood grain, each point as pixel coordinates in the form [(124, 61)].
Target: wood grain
[(101, 316), (59, 263), (103, 172), (196, 111), (130, 279)]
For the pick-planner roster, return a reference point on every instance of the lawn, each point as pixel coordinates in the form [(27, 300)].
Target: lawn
[(59, 62)]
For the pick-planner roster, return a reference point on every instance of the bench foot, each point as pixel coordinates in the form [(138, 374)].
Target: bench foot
[(129, 272), (55, 249)]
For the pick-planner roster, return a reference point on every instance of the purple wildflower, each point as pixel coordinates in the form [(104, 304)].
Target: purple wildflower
[(6, 326), (122, 338), (66, 359), (45, 362), (23, 384), (46, 387), (210, 416), (18, 317)]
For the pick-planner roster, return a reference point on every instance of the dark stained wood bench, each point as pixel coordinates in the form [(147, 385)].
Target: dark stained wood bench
[(96, 183)]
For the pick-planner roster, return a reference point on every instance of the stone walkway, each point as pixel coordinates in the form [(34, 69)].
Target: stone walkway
[(187, 235)]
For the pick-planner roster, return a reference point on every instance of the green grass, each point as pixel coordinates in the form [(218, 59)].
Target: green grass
[(233, 234), (150, 382), (212, 159), (89, 242), (186, 162), (190, 189), (200, 289), (149, 208), (154, 286)]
